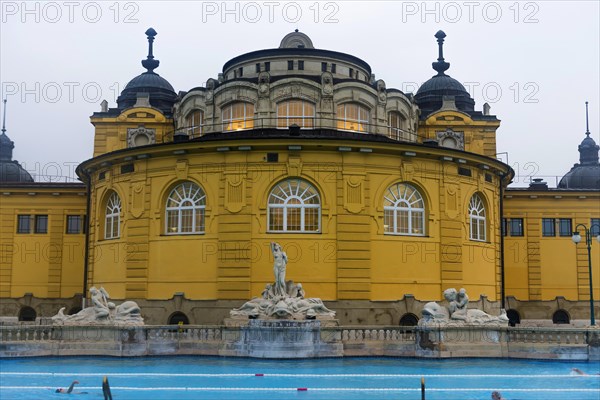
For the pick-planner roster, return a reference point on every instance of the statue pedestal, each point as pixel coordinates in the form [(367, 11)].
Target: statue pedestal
[(278, 339)]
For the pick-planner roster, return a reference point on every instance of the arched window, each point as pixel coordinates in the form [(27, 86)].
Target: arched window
[(178, 317), (403, 210), (513, 317), (561, 317), (185, 209), (299, 112), (409, 319), (294, 206), (112, 224), (238, 116), (194, 122), (397, 126), (352, 117), (27, 313), (477, 219)]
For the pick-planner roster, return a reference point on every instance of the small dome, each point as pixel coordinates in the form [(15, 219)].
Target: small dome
[(161, 93), (296, 40), (10, 171), (431, 94), (586, 174)]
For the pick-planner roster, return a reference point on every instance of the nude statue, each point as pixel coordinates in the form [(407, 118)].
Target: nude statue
[(279, 266)]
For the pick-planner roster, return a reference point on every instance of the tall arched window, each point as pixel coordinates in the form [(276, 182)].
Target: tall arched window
[(352, 117), (397, 126), (299, 112), (194, 122), (403, 211), (112, 222), (477, 219), (294, 206), (237, 116), (185, 209)]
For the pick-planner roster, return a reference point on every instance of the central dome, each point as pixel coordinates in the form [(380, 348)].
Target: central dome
[(161, 93), (431, 94)]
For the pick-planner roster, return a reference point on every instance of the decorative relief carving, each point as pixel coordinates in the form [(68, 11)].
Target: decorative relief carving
[(264, 79), (235, 193), (451, 139), (140, 136), (381, 91), (353, 194), (451, 208), (294, 166), (181, 169), (137, 203), (327, 84)]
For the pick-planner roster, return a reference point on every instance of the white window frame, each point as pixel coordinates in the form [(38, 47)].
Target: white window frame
[(188, 196), (283, 121), (362, 124), (282, 202), (112, 221), (406, 199), (237, 124), (194, 128), (477, 219)]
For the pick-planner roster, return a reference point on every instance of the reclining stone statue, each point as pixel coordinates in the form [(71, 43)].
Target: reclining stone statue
[(457, 312), (102, 312)]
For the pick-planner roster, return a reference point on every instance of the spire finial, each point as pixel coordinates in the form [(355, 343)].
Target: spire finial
[(4, 118), (440, 65), (150, 63), (587, 123)]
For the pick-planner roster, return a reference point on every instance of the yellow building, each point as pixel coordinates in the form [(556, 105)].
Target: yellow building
[(381, 199)]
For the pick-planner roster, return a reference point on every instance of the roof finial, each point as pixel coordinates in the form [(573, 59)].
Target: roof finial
[(150, 63), (4, 118), (440, 66), (587, 124)]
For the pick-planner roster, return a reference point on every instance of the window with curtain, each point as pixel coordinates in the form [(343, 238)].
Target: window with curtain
[(299, 112), (352, 117), (238, 116)]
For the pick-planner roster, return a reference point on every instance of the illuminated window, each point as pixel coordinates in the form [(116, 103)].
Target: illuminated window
[(403, 211), (194, 122), (238, 116), (294, 206), (396, 126), (299, 112), (477, 219), (352, 117), (185, 209), (112, 228)]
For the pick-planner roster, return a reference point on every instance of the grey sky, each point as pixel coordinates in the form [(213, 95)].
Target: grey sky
[(536, 63)]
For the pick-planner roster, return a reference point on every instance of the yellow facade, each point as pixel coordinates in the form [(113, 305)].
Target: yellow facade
[(47, 264), (540, 266)]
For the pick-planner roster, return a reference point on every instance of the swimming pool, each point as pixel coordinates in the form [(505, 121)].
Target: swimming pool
[(345, 378)]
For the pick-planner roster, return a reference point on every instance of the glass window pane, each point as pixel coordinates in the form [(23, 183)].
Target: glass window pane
[(41, 224), (595, 226), (548, 227), (24, 224), (516, 227), (294, 206), (565, 227)]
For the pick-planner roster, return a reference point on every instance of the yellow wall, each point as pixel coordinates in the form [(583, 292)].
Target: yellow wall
[(351, 258), (45, 264), (541, 268)]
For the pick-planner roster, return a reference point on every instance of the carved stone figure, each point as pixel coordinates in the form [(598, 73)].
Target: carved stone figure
[(279, 267), (457, 312), (102, 312), (282, 299)]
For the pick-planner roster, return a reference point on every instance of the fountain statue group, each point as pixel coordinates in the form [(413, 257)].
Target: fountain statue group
[(282, 299), (457, 312), (102, 312)]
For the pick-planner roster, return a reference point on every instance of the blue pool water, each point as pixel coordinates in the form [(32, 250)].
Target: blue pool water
[(347, 378)]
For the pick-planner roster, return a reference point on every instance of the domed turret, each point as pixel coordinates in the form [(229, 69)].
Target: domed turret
[(10, 171), (161, 93), (586, 174), (430, 95)]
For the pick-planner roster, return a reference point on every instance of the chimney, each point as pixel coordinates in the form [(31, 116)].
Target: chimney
[(486, 109)]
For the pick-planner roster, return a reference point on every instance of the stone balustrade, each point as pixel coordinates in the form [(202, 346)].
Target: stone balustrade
[(430, 342)]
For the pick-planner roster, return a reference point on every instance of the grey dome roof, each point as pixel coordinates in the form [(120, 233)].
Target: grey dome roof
[(586, 174), (160, 92), (10, 171), (431, 94), (149, 80)]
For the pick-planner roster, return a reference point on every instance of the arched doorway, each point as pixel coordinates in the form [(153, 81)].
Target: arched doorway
[(178, 317), (409, 319), (27, 314), (561, 317)]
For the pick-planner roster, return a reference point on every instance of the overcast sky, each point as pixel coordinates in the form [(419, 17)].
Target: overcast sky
[(535, 63)]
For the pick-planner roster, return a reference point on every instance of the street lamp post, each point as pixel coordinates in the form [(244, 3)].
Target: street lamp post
[(588, 241)]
